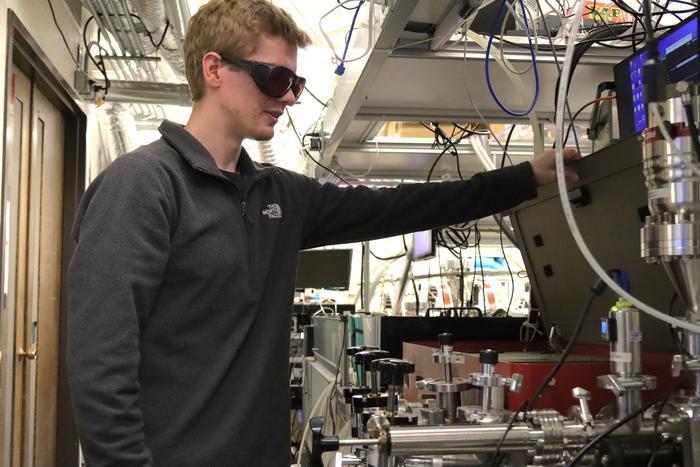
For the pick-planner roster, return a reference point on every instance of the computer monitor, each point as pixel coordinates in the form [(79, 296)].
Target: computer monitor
[(423, 245), (324, 269), (678, 49)]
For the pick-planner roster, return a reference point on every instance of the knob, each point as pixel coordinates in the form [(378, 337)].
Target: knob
[(351, 351), (446, 338), (515, 382), (393, 370), (320, 443), (582, 395), (488, 357), (367, 356), (677, 365)]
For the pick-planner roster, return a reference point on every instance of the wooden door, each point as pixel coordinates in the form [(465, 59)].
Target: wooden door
[(33, 204)]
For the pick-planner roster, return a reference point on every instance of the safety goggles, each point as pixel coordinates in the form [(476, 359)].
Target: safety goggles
[(273, 80)]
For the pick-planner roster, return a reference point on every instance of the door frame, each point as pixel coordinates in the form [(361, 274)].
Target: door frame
[(26, 54)]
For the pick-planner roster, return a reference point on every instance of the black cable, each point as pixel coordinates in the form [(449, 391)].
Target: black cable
[(596, 291), (341, 353), (655, 438), (162, 38), (359, 4), (437, 159), (461, 278), (647, 25), (693, 130), (148, 33), (380, 258), (621, 422), (477, 232), (316, 98), (565, 353), (362, 276), (512, 283), (415, 293), (60, 31), (456, 154), (496, 458), (291, 122), (674, 334), (505, 146), (99, 65)]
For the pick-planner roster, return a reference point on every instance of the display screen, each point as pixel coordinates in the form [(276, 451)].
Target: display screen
[(423, 245), (678, 49), (324, 269)]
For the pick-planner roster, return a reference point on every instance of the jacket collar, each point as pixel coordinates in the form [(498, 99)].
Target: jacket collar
[(197, 155)]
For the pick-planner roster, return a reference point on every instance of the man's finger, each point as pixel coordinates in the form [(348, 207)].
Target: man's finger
[(571, 154), (571, 177)]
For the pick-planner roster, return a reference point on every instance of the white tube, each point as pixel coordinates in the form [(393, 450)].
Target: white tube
[(561, 184), (321, 397)]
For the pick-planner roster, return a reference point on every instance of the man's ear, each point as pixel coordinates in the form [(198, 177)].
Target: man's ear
[(211, 69)]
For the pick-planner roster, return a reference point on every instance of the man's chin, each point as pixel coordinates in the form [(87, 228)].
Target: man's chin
[(266, 135)]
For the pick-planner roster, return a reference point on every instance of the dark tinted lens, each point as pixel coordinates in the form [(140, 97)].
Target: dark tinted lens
[(298, 86), (279, 81)]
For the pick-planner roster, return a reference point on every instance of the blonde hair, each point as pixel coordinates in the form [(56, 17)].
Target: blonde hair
[(233, 26)]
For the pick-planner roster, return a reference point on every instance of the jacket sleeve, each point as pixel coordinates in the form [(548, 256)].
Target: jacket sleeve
[(343, 215), (123, 241)]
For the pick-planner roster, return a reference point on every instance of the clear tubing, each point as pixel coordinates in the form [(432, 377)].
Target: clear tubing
[(561, 184)]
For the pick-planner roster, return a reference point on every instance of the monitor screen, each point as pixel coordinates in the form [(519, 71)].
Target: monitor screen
[(423, 245), (678, 49), (324, 269)]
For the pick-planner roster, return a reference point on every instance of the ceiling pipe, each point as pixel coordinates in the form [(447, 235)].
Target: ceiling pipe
[(154, 17), (178, 13)]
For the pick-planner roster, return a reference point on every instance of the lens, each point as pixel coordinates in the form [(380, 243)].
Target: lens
[(279, 81), (298, 86)]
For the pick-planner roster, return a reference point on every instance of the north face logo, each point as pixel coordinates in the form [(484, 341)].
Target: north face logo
[(273, 211)]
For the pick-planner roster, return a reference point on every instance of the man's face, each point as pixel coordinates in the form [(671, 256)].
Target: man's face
[(252, 113)]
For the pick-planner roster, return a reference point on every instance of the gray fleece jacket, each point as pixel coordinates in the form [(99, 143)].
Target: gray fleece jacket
[(181, 289)]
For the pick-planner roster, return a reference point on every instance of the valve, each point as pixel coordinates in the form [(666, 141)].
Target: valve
[(352, 351), (393, 373), (489, 380), (320, 443), (364, 359), (449, 388), (393, 370), (583, 396), (488, 357), (677, 365)]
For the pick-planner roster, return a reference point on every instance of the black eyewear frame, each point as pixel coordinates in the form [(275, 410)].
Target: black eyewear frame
[(273, 80)]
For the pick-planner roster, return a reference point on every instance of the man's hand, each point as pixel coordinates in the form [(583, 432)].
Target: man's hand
[(544, 167)]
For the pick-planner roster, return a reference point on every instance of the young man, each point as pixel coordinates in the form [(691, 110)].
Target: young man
[(183, 277)]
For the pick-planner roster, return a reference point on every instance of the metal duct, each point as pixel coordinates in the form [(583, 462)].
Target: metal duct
[(178, 13), (116, 125), (153, 14), (267, 152)]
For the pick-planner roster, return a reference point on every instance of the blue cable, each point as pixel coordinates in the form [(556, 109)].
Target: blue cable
[(532, 54), (340, 69)]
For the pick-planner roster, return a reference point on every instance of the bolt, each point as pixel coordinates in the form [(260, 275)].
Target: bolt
[(682, 86)]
